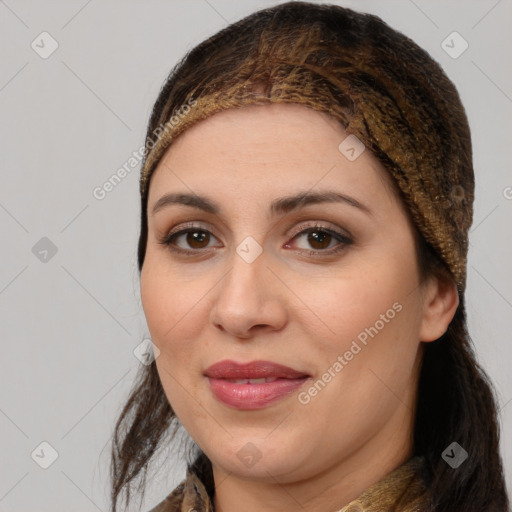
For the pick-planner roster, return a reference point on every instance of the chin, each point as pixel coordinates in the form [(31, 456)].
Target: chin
[(257, 461)]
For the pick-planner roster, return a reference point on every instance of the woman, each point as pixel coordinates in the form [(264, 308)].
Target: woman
[(306, 198)]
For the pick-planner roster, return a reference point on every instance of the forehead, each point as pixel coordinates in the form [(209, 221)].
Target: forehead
[(277, 146), (260, 125)]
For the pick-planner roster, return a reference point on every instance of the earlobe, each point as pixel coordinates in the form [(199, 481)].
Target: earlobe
[(441, 300)]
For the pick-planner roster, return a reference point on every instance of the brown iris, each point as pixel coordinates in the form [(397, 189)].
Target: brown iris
[(317, 239), (198, 237)]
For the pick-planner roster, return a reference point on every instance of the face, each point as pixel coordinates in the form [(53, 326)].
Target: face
[(328, 287)]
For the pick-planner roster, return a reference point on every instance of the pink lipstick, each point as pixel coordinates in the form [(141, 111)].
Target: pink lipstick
[(253, 385)]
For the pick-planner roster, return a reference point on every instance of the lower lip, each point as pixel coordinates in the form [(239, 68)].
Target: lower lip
[(253, 396)]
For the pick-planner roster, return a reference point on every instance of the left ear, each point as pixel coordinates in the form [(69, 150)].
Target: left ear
[(440, 301)]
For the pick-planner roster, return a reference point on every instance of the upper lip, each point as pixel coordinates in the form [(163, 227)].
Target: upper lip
[(228, 369)]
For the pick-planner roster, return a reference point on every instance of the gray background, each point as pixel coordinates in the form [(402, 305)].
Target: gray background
[(69, 324)]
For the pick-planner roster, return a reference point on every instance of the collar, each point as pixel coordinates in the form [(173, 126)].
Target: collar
[(402, 490)]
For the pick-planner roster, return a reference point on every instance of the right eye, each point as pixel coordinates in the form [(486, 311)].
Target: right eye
[(189, 240)]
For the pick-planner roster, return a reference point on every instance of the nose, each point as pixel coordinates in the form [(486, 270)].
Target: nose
[(250, 299)]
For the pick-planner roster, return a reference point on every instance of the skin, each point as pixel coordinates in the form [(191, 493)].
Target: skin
[(288, 306)]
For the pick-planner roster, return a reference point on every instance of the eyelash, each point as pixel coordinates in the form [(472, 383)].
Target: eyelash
[(344, 240)]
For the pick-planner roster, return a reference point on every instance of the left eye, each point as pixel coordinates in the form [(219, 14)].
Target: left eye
[(321, 239)]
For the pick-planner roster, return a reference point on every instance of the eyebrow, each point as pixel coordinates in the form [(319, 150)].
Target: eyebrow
[(279, 206)]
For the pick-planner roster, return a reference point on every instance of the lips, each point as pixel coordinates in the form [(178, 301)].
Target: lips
[(254, 370), (252, 385)]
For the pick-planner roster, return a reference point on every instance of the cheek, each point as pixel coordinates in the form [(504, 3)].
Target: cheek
[(341, 306), (171, 307), (373, 349), (374, 305)]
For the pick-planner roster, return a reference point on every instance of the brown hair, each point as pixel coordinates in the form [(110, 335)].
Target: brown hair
[(419, 112)]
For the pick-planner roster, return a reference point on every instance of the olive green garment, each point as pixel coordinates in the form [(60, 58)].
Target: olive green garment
[(402, 490)]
